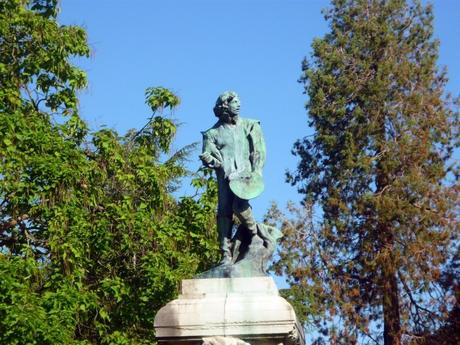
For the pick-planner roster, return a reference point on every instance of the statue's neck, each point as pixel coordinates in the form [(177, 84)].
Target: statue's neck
[(228, 120)]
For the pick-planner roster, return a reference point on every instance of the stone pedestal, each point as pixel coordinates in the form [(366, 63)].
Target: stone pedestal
[(249, 309)]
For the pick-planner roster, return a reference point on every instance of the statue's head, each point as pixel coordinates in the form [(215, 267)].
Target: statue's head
[(227, 105)]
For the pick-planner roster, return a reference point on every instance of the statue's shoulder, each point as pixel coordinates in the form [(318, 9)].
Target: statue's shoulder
[(251, 124), (211, 131)]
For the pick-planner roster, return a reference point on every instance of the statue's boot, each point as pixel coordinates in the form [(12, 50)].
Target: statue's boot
[(247, 219), (224, 226)]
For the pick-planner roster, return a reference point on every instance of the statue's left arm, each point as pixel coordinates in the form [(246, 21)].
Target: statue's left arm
[(258, 151)]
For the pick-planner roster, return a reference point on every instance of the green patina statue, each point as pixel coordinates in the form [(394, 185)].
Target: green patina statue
[(234, 147)]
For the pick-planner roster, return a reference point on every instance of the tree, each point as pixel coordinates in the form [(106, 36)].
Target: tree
[(92, 240), (380, 167)]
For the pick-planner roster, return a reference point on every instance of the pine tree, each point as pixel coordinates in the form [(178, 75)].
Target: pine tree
[(380, 166)]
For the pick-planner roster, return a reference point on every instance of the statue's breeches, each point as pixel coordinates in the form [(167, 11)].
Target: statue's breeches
[(230, 204)]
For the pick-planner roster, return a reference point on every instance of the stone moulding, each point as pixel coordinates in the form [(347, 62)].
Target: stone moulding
[(246, 308)]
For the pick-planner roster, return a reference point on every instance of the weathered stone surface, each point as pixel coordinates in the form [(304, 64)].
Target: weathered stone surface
[(223, 341), (246, 308)]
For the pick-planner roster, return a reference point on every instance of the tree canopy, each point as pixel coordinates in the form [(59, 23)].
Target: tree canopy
[(379, 173), (93, 240)]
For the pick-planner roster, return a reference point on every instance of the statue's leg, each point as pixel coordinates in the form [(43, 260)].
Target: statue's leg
[(225, 221), (225, 224), (243, 211)]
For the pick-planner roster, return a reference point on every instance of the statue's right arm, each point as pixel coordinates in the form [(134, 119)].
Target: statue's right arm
[(210, 156)]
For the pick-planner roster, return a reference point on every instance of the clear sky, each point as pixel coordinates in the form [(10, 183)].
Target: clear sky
[(201, 48)]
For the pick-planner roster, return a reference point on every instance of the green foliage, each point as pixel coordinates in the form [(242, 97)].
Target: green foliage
[(158, 98), (92, 241), (379, 165)]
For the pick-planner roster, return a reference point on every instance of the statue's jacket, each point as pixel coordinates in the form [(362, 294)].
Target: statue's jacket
[(239, 147)]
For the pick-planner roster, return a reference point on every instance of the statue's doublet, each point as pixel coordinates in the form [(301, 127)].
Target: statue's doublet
[(240, 146)]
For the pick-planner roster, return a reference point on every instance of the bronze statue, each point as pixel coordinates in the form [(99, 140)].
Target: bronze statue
[(235, 148)]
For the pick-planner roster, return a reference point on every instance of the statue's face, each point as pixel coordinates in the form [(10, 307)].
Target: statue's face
[(234, 107)]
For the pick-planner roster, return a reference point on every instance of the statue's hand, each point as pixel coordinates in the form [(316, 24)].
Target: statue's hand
[(206, 157), (234, 175), (239, 175), (209, 160)]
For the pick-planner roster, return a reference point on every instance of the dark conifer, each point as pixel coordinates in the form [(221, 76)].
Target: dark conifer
[(380, 166)]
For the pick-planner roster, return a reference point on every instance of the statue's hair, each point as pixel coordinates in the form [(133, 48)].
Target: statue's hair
[(222, 102)]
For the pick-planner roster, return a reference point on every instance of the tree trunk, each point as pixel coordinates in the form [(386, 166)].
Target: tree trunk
[(391, 317), (389, 284)]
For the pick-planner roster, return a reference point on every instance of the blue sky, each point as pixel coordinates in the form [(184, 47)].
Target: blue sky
[(201, 48)]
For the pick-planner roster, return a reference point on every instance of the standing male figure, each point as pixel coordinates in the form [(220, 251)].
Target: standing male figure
[(234, 147)]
